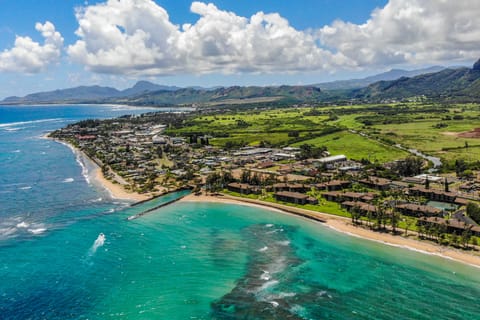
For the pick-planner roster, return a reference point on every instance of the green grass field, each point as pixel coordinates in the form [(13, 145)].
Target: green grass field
[(363, 131), (357, 147)]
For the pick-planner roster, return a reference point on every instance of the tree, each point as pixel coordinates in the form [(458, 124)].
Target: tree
[(356, 214), (427, 183), (460, 166), (410, 166), (408, 224), (245, 177), (446, 185), (473, 211)]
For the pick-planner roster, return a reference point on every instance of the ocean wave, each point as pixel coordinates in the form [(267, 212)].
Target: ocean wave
[(26, 188), (68, 180), (37, 231), (10, 129), (14, 124), (263, 249), (7, 232), (265, 275), (267, 285), (23, 224)]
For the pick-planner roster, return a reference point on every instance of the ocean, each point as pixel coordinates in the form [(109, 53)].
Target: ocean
[(187, 260)]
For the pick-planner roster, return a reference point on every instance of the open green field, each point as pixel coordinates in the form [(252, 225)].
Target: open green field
[(358, 131), (357, 147)]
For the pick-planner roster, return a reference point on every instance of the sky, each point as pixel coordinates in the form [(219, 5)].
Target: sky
[(52, 44)]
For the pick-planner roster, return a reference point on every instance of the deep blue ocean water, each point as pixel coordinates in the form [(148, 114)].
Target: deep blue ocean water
[(187, 260)]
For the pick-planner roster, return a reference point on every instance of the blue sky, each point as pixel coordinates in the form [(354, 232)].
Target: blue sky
[(52, 44)]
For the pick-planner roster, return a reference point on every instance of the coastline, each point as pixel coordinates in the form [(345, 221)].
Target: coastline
[(344, 225), (116, 191)]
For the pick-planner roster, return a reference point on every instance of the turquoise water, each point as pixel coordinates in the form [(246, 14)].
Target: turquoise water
[(192, 260)]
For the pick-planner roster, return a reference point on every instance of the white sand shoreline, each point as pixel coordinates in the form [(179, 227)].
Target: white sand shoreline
[(115, 191), (343, 225)]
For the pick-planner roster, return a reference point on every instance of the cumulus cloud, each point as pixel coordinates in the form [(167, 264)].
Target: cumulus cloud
[(410, 31), (28, 56), (137, 37)]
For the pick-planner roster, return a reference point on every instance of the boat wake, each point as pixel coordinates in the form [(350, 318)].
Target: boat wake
[(99, 242)]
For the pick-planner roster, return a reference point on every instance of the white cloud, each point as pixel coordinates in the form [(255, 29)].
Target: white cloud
[(28, 56), (137, 37), (410, 31)]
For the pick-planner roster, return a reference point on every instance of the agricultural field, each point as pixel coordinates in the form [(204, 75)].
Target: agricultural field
[(357, 147), (359, 131)]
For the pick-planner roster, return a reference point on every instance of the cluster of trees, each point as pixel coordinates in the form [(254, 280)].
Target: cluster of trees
[(410, 166), (257, 179), (438, 233), (308, 151), (217, 181), (473, 211)]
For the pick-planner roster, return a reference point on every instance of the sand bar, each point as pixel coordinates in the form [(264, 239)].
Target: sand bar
[(344, 225)]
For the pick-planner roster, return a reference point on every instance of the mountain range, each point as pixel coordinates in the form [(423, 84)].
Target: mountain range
[(456, 84), (393, 74)]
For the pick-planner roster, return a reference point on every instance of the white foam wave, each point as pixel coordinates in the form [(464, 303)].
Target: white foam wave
[(274, 303), (37, 230), (16, 151), (80, 161), (26, 188), (284, 243), (7, 232), (267, 285), (263, 249), (14, 124), (282, 295), (68, 180), (269, 225), (23, 224), (265, 275)]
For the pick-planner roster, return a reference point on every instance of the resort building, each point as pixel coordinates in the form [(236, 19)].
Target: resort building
[(295, 197)]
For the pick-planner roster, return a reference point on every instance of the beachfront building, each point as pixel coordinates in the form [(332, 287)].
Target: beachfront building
[(295, 197), (243, 188)]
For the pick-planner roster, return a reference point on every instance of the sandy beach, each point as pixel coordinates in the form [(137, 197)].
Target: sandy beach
[(344, 225), (117, 191)]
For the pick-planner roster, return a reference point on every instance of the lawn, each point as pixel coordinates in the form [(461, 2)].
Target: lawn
[(354, 146)]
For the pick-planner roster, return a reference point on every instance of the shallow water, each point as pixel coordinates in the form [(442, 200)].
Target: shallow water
[(191, 260)]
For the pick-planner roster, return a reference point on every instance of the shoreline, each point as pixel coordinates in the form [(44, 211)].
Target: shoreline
[(343, 225), (116, 191)]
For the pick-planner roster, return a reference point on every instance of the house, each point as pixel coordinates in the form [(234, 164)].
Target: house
[(295, 197), (292, 187), (451, 225), (243, 188), (411, 209), (432, 194), (336, 196), (265, 164), (334, 185), (376, 183)]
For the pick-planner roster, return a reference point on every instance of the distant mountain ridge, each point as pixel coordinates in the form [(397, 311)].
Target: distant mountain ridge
[(393, 74), (460, 84), (457, 84), (87, 93)]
